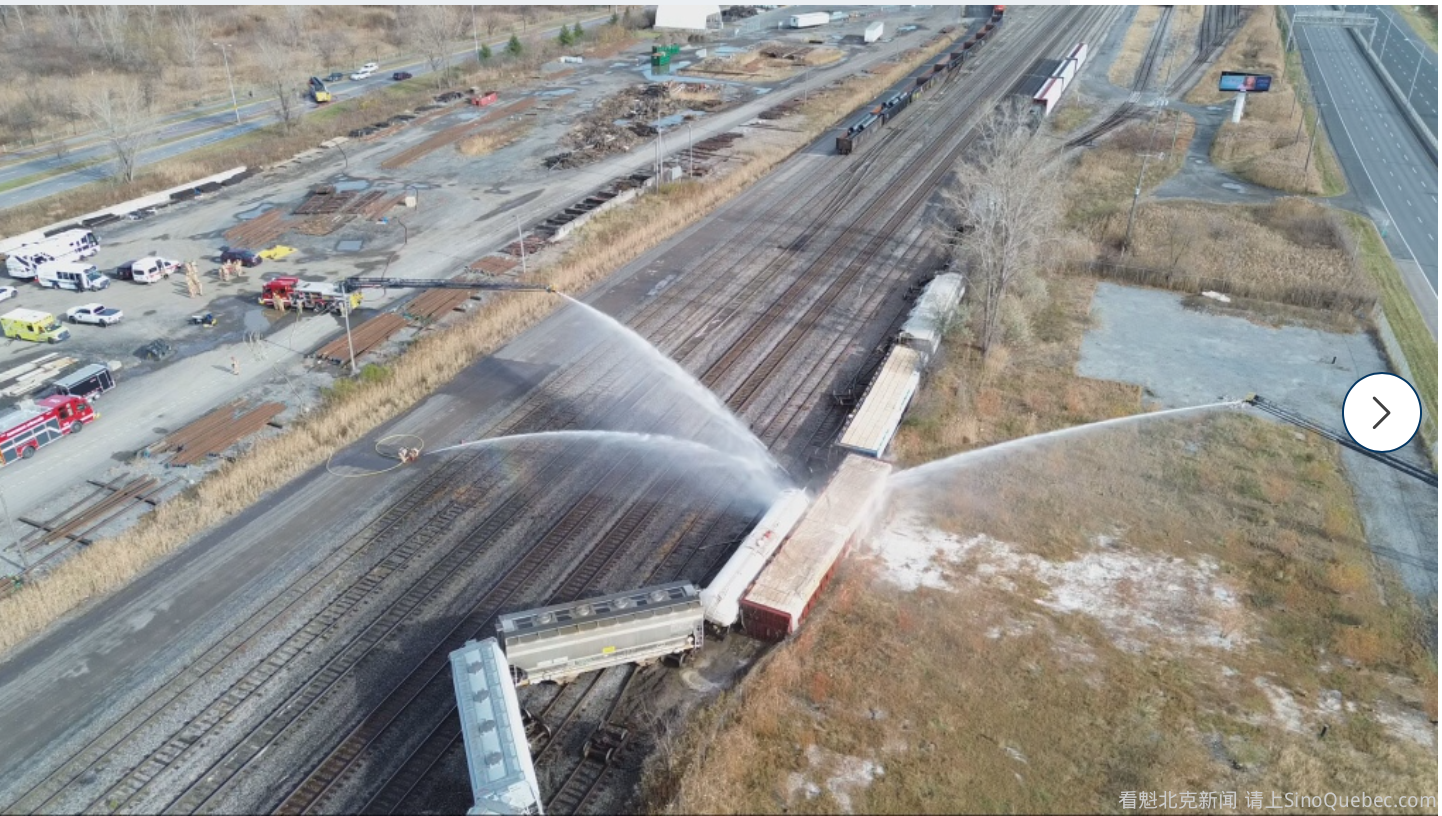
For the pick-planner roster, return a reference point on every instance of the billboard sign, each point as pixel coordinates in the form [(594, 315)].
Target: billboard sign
[(1250, 83)]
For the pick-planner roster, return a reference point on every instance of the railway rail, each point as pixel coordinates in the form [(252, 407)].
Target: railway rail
[(1146, 71)]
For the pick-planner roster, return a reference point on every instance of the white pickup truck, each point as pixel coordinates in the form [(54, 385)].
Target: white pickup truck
[(94, 313)]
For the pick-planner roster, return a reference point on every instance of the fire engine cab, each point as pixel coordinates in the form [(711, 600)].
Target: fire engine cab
[(25, 429), (293, 293)]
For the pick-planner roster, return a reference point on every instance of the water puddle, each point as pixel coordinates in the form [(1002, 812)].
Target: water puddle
[(255, 213), (349, 246), (351, 185)]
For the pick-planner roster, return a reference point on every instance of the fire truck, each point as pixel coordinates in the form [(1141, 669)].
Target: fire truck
[(25, 429), (293, 293)]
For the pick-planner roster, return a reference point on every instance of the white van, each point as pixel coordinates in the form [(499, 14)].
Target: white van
[(23, 262), (68, 275), (149, 269)]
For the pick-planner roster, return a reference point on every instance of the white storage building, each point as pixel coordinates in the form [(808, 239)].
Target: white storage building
[(687, 18)]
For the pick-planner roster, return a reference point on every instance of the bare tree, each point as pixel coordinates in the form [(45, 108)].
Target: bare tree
[(999, 214), (111, 26), (73, 20), (431, 29), (330, 44), (281, 80), (191, 32), (118, 114)]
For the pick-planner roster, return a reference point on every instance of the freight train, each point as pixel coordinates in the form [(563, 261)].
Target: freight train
[(913, 87)]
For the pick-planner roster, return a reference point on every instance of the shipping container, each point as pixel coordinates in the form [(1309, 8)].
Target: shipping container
[(874, 31), (1065, 72), (819, 18), (844, 512), (1078, 53)]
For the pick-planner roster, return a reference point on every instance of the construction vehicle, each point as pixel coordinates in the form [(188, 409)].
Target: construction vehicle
[(24, 430), (37, 326), (319, 94)]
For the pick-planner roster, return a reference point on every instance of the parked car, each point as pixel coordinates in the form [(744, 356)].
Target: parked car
[(147, 270), (335, 76), (7, 292), (400, 75), (245, 256), (94, 313)]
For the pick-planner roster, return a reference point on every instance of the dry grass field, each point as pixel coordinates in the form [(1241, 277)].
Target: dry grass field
[(603, 245), (1181, 605), (1181, 41), (1423, 20), (489, 141), (1279, 251), (1270, 145), (1102, 179), (1180, 47)]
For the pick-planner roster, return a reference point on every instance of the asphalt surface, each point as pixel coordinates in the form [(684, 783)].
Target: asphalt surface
[(176, 136), (1393, 177), (1406, 59)]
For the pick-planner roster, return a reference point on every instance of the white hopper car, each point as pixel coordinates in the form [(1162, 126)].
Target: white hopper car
[(721, 599), (559, 643)]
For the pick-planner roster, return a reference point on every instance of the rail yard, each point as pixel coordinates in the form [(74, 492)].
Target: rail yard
[(323, 680)]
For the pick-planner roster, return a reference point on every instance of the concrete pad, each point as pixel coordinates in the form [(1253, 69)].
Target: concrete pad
[(1185, 357)]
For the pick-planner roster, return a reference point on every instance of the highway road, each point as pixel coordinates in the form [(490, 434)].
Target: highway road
[(1406, 58), (176, 135), (1386, 166)]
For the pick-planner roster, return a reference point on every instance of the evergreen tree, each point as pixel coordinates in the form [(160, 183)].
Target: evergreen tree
[(577, 33), (514, 46), (564, 38), (615, 18), (485, 52)]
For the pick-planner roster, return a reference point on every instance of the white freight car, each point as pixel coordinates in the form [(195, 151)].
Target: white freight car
[(503, 780), (933, 312), (721, 599), (812, 20)]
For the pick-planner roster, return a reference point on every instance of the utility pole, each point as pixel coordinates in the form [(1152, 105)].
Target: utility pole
[(475, 35), (1311, 144), (521, 239), (1137, 192), (690, 150), (349, 341), (234, 103)]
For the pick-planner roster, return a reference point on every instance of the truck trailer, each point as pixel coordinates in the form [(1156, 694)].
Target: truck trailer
[(812, 20)]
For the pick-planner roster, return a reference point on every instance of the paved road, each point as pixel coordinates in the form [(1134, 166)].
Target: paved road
[(1406, 57), (1385, 164), (176, 137)]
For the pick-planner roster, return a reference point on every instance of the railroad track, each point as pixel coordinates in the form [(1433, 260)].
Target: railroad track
[(1129, 111), (452, 487)]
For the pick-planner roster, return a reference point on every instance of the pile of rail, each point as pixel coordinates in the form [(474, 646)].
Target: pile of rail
[(28, 378), (434, 303), (81, 520), (364, 338), (214, 432), (259, 231)]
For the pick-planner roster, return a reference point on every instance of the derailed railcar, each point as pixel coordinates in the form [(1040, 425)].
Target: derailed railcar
[(558, 643)]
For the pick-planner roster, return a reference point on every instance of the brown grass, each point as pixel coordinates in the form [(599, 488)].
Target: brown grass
[(490, 141), (1123, 71), (604, 244), (977, 698), (1099, 187), (1181, 41), (1269, 146), (1290, 244)]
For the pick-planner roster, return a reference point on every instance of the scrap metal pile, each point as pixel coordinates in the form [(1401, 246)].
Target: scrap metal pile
[(628, 119)]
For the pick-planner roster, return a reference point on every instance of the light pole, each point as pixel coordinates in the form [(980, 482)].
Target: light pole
[(475, 34), (234, 103), (690, 150), (350, 343)]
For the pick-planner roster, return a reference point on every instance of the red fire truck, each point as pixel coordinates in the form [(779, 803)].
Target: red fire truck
[(293, 293), (25, 429)]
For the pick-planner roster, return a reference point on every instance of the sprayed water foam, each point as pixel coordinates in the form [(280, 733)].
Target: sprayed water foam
[(918, 475), (739, 438), (759, 479)]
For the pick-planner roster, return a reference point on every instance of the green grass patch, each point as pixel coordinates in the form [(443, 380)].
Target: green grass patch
[(1418, 345), (1424, 24), (1071, 117)]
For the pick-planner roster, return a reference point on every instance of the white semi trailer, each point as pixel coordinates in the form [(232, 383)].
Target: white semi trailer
[(812, 20)]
